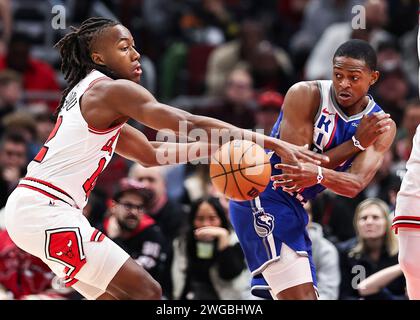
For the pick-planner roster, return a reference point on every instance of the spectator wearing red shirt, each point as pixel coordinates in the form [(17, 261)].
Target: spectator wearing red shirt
[(37, 75), (22, 274)]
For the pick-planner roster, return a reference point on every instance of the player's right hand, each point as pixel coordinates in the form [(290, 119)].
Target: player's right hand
[(371, 127)]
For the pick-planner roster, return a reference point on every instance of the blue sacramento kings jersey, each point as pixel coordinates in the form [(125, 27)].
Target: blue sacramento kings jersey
[(277, 217), (332, 127)]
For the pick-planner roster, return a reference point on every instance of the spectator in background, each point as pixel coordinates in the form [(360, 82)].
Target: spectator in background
[(6, 18), (10, 92), (392, 91), (267, 72), (269, 105), (136, 232), (45, 122), (237, 102), (374, 248), (409, 55), (326, 260), (23, 276), (96, 208), (208, 261), (318, 16), (239, 52), (207, 22), (318, 65), (380, 280), (411, 120), (24, 124), (168, 214), (13, 162), (36, 75)]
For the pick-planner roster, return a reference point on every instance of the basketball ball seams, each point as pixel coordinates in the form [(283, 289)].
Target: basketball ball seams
[(244, 153), (239, 169), (246, 178), (234, 178), (248, 183), (225, 174)]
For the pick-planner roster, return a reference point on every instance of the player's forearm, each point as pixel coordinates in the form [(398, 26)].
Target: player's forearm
[(227, 131), (341, 153), (343, 183), (173, 153)]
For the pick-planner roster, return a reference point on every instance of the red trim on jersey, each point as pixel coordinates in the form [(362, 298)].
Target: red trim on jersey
[(96, 81), (92, 238), (71, 282), (90, 128), (333, 133), (39, 190), (48, 185), (104, 131), (406, 218), (97, 236), (406, 224)]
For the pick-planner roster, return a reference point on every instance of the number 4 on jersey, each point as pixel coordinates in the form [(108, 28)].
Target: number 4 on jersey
[(90, 182)]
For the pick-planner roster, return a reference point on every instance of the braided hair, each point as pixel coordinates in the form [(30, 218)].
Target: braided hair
[(75, 52)]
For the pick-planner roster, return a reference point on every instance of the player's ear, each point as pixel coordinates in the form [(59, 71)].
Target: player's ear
[(374, 77), (97, 58)]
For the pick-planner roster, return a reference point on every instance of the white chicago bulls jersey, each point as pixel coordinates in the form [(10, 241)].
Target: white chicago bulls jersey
[(407, 211), (74, 155)]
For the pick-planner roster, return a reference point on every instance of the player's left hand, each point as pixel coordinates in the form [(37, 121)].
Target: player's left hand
[(295, 177)]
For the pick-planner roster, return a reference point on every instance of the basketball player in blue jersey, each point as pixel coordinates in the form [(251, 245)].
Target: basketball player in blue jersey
[(339, 119)]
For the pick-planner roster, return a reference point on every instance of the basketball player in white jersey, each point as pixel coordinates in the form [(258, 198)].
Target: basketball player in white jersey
[(407, 216), (44, 213)]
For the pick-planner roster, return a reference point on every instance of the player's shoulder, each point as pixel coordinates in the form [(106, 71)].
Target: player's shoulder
[(304, 94), (120, 89), (304, 88)]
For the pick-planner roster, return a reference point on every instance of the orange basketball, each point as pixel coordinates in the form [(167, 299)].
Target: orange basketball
[(240, 169)]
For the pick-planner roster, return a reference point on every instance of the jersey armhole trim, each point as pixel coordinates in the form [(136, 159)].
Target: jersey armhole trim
[(91, 128), (320, 101)]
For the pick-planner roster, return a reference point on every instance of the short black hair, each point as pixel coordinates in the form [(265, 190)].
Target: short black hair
[(358, 49), (12, 136)]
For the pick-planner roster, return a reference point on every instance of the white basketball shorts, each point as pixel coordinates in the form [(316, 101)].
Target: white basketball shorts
[(62, 237)]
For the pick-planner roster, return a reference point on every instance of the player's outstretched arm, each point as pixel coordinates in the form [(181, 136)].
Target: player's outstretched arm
[(134, 101), (349, 183), (133, 145)]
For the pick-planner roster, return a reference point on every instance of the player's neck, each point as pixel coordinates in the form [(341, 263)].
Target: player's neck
[(356, 108)]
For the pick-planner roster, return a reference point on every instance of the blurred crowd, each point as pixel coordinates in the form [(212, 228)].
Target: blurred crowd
[(229, 59)]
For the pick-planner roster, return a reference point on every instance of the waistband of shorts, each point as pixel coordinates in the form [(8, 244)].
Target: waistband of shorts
[(291, 194), (47, 189)]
